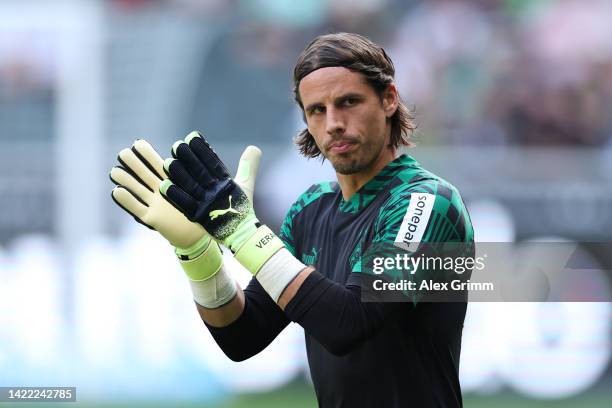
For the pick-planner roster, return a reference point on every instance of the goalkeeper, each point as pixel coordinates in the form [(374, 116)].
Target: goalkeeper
[(360, 354)]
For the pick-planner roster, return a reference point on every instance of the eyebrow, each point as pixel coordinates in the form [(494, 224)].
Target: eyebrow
[(353, 95)]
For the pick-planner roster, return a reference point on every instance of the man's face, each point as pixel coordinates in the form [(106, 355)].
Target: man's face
[(346, 117)]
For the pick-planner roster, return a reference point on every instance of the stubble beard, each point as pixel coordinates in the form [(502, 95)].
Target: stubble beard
[(346, 166)]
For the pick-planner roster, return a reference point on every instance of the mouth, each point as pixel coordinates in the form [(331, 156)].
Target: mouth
[(342, 146)]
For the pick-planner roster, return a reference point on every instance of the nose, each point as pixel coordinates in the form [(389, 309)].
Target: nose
[(335, 121)]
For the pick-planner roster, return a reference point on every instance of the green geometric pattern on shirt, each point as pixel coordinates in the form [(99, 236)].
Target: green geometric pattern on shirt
[(309, 196), (449, 220), (448, 225)]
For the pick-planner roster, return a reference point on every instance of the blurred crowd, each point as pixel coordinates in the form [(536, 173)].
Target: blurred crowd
[(529, 72), (518, 72)]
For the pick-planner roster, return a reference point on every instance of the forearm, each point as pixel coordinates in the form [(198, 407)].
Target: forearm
[(334, 314), (247, 324), (330, 312), (293, 287), (224, 315)]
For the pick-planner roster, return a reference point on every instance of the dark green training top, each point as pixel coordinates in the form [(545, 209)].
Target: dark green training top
[(366, 354)]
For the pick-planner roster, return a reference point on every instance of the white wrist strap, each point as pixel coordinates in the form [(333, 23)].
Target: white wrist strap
[(215, 291), (278, 272)]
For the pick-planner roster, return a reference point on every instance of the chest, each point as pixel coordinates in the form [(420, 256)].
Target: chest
[(332, 240)]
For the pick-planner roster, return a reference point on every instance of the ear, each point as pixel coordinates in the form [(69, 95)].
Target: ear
[(390, 100)]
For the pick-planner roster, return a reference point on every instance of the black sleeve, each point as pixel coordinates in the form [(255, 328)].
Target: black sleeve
[(260, 322), (335, 315)]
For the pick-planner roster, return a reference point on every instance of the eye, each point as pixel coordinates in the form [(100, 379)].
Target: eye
[(316, 110), (350, 101)]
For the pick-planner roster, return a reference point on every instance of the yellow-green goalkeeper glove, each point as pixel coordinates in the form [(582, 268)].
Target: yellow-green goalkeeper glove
[(138, 180), (201, 187)]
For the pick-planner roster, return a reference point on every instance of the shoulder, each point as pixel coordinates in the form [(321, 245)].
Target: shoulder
[(312, 195), (422, 201), (422, 185)]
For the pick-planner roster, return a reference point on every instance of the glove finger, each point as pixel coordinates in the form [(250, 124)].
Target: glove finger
[(149, 156), (193, 165), (130, 203), (247, 170), (207, 155), (179, 198), (132, 163), (182, 178), (123, 178)]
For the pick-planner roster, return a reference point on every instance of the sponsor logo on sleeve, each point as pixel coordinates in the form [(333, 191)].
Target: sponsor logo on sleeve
[(415, 221)]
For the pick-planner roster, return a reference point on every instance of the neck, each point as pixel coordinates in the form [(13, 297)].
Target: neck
[(351, 183)]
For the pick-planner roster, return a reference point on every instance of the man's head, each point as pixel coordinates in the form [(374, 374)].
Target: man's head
[(344, 84)]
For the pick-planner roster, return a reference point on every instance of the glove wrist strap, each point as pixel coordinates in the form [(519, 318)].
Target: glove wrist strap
[(243, 232), (195, 250), (205, 265), (259, 247)]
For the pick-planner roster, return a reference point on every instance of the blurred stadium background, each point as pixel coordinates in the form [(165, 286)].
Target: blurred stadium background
[(514, 104)]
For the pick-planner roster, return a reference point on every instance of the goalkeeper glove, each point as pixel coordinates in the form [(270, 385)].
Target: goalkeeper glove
[(138, 179), (200, 186)]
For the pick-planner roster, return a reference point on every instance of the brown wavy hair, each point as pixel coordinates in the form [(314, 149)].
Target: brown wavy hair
[(359, 54)]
